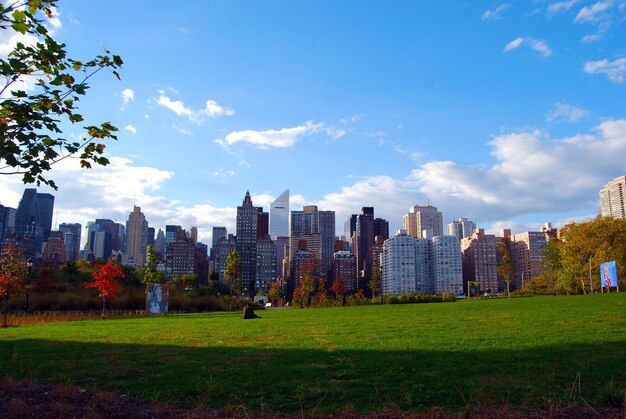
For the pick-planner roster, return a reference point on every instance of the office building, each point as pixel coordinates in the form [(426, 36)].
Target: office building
[(279, 216), (612, 198), (71, 238), (180, 257), (480, 261), (421, 218), (344, 269), (247, 219), (136, 238), (461, 228), (33, 220)]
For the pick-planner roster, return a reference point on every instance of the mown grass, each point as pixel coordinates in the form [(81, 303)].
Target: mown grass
[(524, 352)]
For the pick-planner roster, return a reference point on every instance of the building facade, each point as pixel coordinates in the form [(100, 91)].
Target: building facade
[(461, 228), (420, 218), (279, 216), (247, 218), (612, 198), (480, 261), (136, 238)]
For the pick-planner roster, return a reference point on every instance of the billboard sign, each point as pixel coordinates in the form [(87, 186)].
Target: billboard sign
[(157, 298), (608, 274)]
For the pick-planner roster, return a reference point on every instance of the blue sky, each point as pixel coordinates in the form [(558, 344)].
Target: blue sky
[(511, 114)]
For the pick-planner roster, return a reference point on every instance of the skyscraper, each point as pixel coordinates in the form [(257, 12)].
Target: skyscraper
[(461, 228), (612, 198), (480, 261), (405, 265), (136, 238), (279, 216), (366, 229), (7, 221), (316, 230), (420, 218), (33, 220), (446, 267), (71, 237), (170, 233), (247, 217), (180, 256)]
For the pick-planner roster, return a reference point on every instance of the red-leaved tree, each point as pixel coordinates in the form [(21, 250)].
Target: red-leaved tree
[(106, 281), (13, 271)]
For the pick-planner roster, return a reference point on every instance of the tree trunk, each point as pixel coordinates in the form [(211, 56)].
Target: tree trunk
[(6, 309), (104, 308), (508, 289)]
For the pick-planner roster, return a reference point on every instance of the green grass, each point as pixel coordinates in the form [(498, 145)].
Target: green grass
[(523, 352)]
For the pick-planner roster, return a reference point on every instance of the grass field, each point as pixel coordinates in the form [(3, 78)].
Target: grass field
[(523, 352)]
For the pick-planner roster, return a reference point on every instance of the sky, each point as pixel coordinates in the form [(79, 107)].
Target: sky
[(510, 114)]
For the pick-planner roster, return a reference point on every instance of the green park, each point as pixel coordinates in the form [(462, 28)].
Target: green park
[(534, 352)]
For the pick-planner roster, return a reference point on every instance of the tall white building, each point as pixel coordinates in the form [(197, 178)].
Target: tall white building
[(461, 228), (411, 264), (279, 216), (612, 198), (420, 218), (446, 266)]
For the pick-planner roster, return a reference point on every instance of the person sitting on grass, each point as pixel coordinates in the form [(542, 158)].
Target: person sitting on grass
[(248, 312)]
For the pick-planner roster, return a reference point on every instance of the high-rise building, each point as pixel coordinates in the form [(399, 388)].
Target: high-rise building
[(180, 257), (526, 251), (33, 220), (54, 250), (247, 219), (136, 238), (151, 235), (421, 218), (193, 232), (7, 221), (279, 216), (71, 238), (344, 269), (366, 229), (265, 263), (223, 248), (103, 237), (446, 266), (461, 228), (170, 233), (480, 261), (317, 230), (405, 265), (159, 244), (612, 198)]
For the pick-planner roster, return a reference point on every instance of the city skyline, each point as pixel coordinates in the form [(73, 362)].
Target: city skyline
[(509, 115)]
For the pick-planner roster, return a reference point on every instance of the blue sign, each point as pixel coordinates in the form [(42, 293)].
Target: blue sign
[(608, 274)]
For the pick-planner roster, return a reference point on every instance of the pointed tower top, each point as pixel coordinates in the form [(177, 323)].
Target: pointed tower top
[(247, 199)]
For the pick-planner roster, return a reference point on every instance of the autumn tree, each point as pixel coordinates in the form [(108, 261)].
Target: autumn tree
[(552, 265), (275, 293), (374, 283), (13, 271), (321, 296), (585, 245), (505, 268), (338, 287), (42, 86), (106, 281)]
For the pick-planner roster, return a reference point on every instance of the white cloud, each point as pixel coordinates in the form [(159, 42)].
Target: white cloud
[(496, 13), (560, 6), (127, 95), (537, 45), (532, 174), (223, 173), (593, 13), (567, 113), (131, 128), (285, 137), (592, 37), (211, 109), (614, 70), (335, 133), (514, 44)]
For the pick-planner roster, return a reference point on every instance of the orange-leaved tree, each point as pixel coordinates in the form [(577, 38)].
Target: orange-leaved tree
[(106, 281), (13, 271)]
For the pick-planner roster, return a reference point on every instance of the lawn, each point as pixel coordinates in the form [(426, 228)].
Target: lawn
[(523, 352)]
